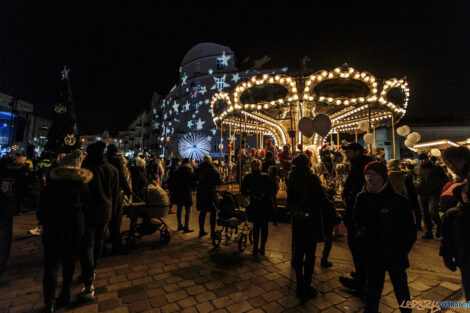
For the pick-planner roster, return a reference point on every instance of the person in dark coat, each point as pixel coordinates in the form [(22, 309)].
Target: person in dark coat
[(306, 200), (183, 193), (430, 180), (104, 193), (268, 161), (259, 187), (352, 186), (207, 195), (172, 186), (61, 208), (386, 232), (413, 196), (116, 219)]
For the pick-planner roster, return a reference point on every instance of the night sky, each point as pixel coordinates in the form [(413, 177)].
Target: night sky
[(120, 55)]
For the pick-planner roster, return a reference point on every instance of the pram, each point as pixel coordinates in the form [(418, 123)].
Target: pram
[(151, 211), (232, 222)]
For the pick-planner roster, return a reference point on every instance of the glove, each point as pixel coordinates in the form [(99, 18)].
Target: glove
[(450, 264)]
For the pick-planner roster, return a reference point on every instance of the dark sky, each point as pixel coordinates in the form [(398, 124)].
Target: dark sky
[(120, 54)]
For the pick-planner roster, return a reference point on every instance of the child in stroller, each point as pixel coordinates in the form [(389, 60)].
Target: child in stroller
[(232, 222), (151, 209)]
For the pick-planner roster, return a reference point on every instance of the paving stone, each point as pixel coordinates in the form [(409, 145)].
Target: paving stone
[(195, 290), (289, 301), (155, 292), (171, 307), (187, 302), (444, 292), (334, 297), (89, 308), (176, 295), (158, 302), (273, 307), (257, 301), (121, 309), (171, 288), (240, 307), (349, 306), (189, 310), (206, 296), (419, 286), (451, 286), (321, 303), (272, 295), (221, 302), (108, 304), (135, 297), (205, 307)]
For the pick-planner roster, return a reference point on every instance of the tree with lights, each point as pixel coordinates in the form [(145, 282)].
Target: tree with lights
[(63, 135)]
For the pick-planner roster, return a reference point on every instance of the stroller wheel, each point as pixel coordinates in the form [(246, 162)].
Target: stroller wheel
[(250, 236), (242, 242), (216, 238), (128, 238), (165, 236)]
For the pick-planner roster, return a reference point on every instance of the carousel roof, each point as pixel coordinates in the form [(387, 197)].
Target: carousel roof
[(275, 103)]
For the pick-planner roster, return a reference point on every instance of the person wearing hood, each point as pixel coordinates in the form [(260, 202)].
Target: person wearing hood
[(104, 193), (61, 212), (207, 195), (116, 220), (352, 186), (385, 231), (183, 193), (430, 179), (307, 201)]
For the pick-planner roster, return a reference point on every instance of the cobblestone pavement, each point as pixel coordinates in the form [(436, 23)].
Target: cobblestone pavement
[(187, 275)]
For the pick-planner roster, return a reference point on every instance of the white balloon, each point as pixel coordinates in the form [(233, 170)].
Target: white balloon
[(436, 152), (403, 130), (369, 138), (409, 143), (363, 125), (415, 136)]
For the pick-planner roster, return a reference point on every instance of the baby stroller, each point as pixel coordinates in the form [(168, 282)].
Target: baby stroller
[(232, 222), (151, 210)]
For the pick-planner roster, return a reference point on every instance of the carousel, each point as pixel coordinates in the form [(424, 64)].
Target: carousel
[(311, 110)]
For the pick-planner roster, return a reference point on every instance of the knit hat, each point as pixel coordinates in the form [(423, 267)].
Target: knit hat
[(73, 159), (377, 166), (309, 153), (301, 161), (394, 164), (139, 162)]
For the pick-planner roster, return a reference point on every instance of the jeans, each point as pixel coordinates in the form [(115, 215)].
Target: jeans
[(358, 259), (430, 208), (202, 220), (179, 210), (465, 272), (92, 246), (375, 284), (257, 229), (58, 249), (304, 252)]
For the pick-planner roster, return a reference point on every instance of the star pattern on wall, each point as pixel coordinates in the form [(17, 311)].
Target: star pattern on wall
[(224, 58), (175, 106), (184, 79), (220, 83), (199, 124), (203, 90), (236, 77), (211, 71)]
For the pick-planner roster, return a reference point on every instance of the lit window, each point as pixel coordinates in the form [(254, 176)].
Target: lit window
[(220, 64), (194, 104), (220, 82)]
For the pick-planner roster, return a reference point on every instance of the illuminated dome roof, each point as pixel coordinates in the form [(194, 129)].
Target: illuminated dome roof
[(204, 50)]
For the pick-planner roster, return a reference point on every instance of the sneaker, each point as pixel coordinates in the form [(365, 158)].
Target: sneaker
[(202, 233), (180, 227), (87, 294), (325, 263), (35, 231), (427, 235), (348, 282), (187, 230), (353, 274), (310, 292)]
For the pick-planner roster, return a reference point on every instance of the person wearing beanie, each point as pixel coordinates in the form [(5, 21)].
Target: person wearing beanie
[(61, 213), (385, 232), (104, 193), (353, 185), (306, 200)]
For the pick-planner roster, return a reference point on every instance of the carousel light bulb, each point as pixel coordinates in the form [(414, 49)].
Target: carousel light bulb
[(324, 73), (338, 102), (330, 75)]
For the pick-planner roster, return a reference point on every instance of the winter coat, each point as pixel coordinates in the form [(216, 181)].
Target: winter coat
[(207, 179), (116, 161), (455, 241), (285, 159), (411, 191), (259, 187), (430, 179), (171, 181), (397, 180), (185, 183), (139, 182), (63, 202), (104, 190), (384, 227), (353, 185), (307, 199), (267, 163)]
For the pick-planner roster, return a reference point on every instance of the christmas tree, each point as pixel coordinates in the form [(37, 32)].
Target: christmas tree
[(63, 135)]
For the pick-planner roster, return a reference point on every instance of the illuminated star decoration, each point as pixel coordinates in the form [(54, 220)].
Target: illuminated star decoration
[(209, 138), (193, 146), (190, 124), (236, 77), (210, 71), (175, 106), (284, 69), (181, 69), (222, 84), (207, 101), (186, 106), (224, 58), (200, 124), (184, 78), (203, 90), (213, 130), (194, 116), (65, 73), (165, 116)]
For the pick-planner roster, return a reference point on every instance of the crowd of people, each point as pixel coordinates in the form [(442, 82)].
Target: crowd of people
[(78, 197)]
